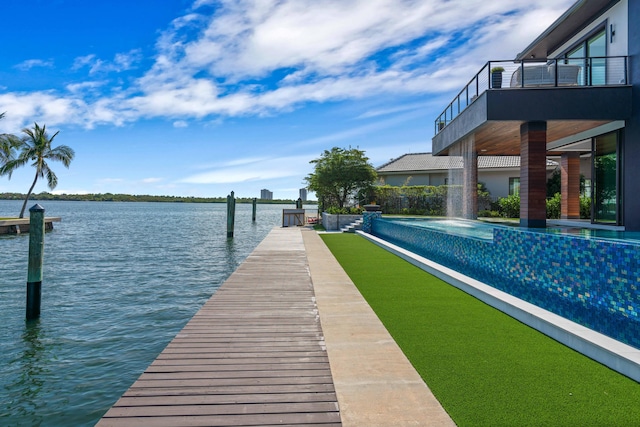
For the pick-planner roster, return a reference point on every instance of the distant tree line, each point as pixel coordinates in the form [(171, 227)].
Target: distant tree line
[(109, 197)]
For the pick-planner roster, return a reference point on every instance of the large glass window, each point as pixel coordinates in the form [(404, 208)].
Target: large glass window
[(589, 55), (605, 178), (579, 53), (596, 51)]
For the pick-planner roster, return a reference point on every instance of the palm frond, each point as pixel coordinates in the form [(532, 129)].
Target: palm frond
[(52, 179)]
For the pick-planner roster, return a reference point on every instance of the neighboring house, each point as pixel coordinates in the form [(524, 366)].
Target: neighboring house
[(568, 94), (500, 174)]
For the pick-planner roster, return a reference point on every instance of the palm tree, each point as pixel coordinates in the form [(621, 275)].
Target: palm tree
[(36, 146), (8, 146)]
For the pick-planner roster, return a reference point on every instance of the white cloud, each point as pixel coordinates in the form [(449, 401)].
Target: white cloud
[(180, 124), (83, 61), (85, 86), (246, 170), (219, 61), (362, 130), (121, 62), (151, 180), (388, 111), (31, 63), (44, 107)]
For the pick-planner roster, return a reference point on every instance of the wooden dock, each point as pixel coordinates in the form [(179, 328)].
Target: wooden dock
[(253, 355), (21, 225)]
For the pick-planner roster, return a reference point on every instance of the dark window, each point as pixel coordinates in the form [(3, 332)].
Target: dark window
[(514, 186)]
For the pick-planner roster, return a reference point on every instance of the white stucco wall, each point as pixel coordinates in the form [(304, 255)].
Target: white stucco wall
[(497, 182)]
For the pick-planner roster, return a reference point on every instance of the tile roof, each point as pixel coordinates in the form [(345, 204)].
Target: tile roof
[(425, 162)]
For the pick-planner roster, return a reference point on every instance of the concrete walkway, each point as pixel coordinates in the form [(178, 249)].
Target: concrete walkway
[(375, 383)]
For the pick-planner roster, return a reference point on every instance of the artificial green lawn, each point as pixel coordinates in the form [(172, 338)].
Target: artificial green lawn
[(486, 368)]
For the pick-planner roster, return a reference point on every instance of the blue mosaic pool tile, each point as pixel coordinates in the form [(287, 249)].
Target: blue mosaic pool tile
[(367, 220), (592, 282)]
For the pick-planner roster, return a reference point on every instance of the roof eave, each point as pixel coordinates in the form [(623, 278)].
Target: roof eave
[(578, 16)]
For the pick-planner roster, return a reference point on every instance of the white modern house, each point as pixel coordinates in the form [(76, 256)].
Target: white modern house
[(572, 94)]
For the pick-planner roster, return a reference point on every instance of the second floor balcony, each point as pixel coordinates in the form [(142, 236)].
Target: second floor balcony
[(593, 89)]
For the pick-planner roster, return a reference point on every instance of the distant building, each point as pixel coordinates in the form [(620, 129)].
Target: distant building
[(266, 194), (303, 194)]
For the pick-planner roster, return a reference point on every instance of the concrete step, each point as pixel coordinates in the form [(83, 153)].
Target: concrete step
[(351, 228)]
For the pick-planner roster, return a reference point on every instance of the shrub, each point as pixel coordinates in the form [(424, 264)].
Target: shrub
[(553, 206), (510, 206), (585, 207), (334, 210), (489, 214), (426, 199)]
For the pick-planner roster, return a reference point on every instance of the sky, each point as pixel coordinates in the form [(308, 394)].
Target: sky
[(204, 97)]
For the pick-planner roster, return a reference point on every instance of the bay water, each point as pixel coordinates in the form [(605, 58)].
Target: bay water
[(120, 281)]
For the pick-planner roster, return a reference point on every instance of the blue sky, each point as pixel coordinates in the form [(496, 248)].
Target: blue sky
[(202, 97)]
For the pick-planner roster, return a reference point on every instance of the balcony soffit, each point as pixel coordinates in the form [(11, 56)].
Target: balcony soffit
[(503, 138)]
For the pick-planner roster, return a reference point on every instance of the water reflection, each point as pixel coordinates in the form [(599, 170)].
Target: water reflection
[(33, 366)]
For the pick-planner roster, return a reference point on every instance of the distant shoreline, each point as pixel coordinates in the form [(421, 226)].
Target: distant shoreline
[(109, 197)]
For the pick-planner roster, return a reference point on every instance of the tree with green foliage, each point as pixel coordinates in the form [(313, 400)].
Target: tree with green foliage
[(340, 174), (35, 147), (8, 145)]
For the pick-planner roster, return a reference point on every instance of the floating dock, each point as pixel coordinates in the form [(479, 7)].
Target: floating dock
[(21, 225)]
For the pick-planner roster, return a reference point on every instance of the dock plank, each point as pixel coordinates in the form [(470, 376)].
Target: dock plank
[(254, 354)]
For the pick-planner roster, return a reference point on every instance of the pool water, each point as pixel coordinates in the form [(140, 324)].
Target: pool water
[(484, 230), (458, 227)]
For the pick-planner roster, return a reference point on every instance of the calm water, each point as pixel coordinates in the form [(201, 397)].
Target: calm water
[(120, 280)]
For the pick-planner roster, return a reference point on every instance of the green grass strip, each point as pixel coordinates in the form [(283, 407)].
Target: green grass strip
[(486, 368)]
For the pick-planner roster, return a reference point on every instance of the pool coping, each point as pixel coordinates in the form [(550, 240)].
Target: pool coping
[(611, 353)]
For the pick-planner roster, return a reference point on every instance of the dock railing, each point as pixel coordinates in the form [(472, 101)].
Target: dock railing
[(513, 75)]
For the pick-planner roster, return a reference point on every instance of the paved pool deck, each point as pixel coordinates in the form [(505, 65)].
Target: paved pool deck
[(375, 383), (286, 340)]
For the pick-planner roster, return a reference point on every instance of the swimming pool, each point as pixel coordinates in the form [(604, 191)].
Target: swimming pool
[(458, 227), (484, 230), (591, 278)]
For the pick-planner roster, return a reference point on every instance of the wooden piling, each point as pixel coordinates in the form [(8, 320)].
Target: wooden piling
[(36, 255), (253, 215), (231, 214)]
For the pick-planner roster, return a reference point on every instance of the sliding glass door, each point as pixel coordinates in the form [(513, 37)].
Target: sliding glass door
[(589, 56), (605, 191)]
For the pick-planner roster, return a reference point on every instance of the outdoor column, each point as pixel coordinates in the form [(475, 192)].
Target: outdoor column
[(470, 183), (570, 185), (533, 176)]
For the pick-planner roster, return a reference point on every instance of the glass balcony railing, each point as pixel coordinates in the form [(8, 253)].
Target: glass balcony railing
[(513, 75)]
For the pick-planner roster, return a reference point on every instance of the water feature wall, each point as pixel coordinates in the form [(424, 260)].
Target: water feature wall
[(591, 282)]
